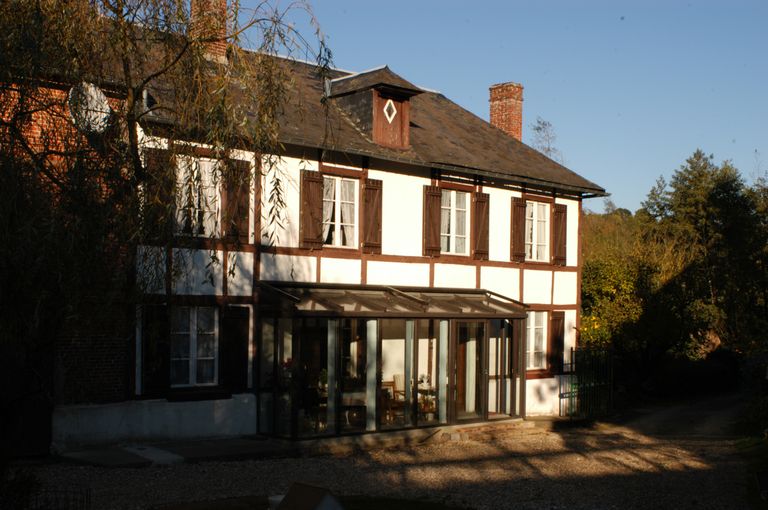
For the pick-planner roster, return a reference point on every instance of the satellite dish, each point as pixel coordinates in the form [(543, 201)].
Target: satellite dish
[(89, 108)]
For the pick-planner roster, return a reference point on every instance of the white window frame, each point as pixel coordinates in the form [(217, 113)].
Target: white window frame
[(336, 223), (206, 178), (452, 211), (193, 358), (536, 321), (536, 249)]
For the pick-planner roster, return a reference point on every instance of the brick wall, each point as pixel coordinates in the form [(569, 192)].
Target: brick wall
[(209, 21), (94, 356), (43, 115), (507, 108)]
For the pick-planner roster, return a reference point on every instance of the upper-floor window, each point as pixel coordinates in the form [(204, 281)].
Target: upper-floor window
[(537, 231), (197, 197), (536, 341), (340, 199), (454, 222), (194, 346)]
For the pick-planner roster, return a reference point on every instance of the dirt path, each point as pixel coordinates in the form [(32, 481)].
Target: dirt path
[(701, 417)]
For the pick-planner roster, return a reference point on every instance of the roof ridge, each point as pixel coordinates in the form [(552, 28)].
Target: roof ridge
[(354, 74)]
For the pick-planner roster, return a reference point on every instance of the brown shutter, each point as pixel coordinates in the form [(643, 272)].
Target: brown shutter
[(311, 225), (372, 190), (159, 201), (235, 326), (480, 220), (559, 234), (518, 230), (557, 342), (237, 200), (431, 220), (155, 351)]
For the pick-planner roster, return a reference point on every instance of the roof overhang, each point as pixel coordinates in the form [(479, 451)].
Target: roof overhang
[(493, 176), (337, 300)]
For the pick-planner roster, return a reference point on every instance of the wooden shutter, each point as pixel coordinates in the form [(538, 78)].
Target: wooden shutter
[(559, 234), (480, 220), (159, 200), (556, 342), (237, 200), (235, 329), (311, 224), (518, 230), (372, 195), (155, 351), (431, 221)]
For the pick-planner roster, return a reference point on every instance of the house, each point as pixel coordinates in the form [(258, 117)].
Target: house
[(424, 270)]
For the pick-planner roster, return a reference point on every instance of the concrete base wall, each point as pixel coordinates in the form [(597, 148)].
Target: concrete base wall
[(153, 420), (542, 397)]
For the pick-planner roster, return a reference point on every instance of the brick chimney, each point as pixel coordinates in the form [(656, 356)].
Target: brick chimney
[(209, 21), (507, 108)]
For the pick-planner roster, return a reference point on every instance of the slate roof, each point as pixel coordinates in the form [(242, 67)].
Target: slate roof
[(443, 135)]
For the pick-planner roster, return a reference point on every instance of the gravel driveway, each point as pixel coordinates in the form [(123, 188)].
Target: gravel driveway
[(601, 467)]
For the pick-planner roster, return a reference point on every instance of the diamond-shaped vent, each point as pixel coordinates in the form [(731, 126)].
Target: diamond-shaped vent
[(390, 111)]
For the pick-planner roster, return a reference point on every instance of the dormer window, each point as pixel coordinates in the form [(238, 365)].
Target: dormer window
[(390, 111), (390, 120), (378, 102)]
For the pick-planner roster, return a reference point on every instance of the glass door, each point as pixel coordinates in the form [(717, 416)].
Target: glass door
[(501, 370), (469, 376), (396, 367), (276, 382), (312, 380), (431, 371), (353, 382)]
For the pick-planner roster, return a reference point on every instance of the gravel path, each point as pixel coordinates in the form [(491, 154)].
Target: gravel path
[(605, 467)]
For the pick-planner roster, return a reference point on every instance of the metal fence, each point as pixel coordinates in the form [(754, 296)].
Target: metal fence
[(586, 387)]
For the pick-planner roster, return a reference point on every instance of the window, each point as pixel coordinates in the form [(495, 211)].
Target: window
[(194, 346), (340, 211), (536, 341), (454, 222), (537, 231), (197, 197)]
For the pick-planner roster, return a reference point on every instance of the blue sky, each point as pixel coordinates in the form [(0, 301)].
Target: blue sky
[(631, 88)]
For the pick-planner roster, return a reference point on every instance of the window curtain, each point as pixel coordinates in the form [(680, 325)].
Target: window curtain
[(471, 377), (347, 211), (445, 221), (329, 200), (529, 231), (186, 196)]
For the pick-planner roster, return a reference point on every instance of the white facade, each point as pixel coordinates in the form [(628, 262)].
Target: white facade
[(202, 272), (401, 262), (154, 419)]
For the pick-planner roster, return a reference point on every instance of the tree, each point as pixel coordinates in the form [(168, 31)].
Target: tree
[(685, 275), (544, 139), (713, 222), (77, 198)]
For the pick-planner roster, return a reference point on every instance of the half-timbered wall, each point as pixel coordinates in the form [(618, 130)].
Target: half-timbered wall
[(542, 286), (219, 272)]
